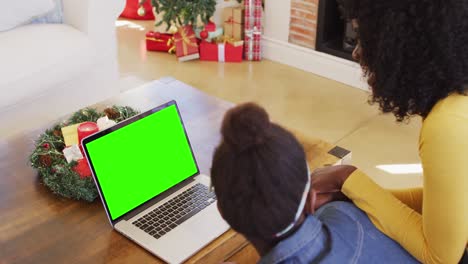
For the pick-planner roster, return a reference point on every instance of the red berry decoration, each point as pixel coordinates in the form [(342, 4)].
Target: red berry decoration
[(157, 35), (46, 145), (204, 34)]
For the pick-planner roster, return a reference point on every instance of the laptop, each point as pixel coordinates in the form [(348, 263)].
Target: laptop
[(150, 184)]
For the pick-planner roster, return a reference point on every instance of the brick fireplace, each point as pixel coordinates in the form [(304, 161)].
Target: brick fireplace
[(303, 24), (319, 25)]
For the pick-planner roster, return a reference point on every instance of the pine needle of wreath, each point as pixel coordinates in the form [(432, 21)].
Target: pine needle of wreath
[(84, 115)]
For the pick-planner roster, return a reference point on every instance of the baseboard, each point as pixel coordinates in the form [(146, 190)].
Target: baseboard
[(319, 63)]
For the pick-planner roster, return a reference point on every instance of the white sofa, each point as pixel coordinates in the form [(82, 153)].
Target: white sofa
[(49, 70)]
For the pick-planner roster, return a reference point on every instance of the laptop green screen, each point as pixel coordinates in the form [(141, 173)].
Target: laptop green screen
[(141, 160)]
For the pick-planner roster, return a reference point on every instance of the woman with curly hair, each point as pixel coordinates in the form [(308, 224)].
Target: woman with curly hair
[(415, 56)]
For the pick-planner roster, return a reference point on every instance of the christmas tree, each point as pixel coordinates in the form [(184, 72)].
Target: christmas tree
[(184, 12)]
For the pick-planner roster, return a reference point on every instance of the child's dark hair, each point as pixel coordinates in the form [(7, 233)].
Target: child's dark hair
[(259, 172)]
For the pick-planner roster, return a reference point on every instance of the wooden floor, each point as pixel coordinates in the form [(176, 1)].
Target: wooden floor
[(311, 104)]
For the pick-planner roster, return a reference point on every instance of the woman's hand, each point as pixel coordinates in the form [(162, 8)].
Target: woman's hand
[(326, 185)]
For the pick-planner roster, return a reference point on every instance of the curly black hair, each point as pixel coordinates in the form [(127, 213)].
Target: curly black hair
[(414, 53)]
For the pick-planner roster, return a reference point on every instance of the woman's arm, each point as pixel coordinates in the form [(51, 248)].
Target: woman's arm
[(440, 234), (411, 197)]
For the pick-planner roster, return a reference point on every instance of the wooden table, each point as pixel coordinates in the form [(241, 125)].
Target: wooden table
[(39, 227)]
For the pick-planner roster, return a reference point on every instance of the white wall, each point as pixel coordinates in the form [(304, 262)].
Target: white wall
[(277, 18)]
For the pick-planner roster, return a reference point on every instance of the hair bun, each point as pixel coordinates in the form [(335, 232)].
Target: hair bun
[(245, 126)]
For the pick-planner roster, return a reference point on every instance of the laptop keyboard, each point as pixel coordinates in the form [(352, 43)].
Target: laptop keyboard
[(176, 211)]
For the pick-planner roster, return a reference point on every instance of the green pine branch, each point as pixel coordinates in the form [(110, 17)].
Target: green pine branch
[(184, 12)]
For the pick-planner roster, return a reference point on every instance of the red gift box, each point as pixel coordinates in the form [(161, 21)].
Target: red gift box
[(186, 44), (252, 46), (253, 27), (156, 41), (222, 52)]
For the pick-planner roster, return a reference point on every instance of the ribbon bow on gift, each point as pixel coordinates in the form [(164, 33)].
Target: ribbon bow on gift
[(170, 43), (154, 39), (231, 20), (250, 36), (186, 40), (230, 40), (251, 32)]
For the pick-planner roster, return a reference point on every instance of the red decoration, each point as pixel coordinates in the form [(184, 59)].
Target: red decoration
[(204, 34), (156, 41), (210, 27), (186, 44), (46, 145), (220, 52), (86, 129), (82, 168), (131, 10), (253, 27)]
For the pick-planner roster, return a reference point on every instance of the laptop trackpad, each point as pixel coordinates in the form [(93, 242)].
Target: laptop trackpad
[(185, 240)]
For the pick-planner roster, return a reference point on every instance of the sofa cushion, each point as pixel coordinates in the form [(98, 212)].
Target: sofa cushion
[(38, 57), (54, 16)]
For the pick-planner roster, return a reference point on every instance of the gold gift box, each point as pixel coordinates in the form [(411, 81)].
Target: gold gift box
[(233, 22)]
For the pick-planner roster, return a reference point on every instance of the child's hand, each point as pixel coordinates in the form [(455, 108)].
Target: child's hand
[(326, 185)]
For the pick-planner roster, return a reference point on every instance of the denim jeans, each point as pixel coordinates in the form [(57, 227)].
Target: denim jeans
[(339, 232)]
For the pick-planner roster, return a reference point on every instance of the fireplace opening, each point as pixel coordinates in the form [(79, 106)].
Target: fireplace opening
[(335, 35)]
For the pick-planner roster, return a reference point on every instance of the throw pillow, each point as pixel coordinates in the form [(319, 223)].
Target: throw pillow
[(54, 16), (17, 13)]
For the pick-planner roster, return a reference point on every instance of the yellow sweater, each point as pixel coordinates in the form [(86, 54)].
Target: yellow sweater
[(431, 223)]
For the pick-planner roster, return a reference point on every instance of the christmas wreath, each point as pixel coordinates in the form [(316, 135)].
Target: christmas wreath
[(70, 179)]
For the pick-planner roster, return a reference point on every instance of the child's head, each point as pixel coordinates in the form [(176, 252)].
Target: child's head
[(259, 173)]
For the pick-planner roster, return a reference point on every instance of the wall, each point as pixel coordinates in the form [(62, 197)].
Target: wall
[(277, 19)]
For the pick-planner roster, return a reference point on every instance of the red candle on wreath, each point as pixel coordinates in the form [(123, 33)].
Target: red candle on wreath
[(85, 129)]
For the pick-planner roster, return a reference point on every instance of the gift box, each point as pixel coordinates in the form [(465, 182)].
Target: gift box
[(233, 22), (253, 27), (186, 44), (252, 45), (221, 52), (156, 41), (217, 32)]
